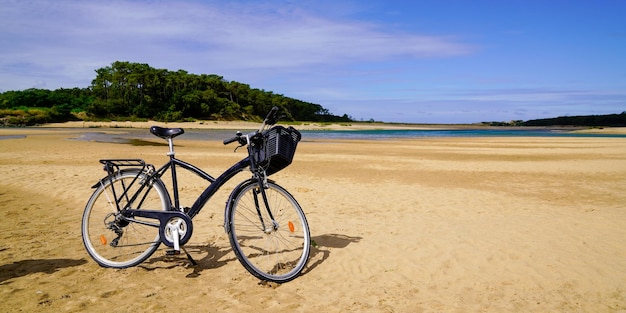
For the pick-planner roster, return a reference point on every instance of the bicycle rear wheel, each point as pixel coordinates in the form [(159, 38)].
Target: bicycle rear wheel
[(110, 239), (270, 249)]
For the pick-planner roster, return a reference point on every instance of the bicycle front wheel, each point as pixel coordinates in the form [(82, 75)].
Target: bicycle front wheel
[(112, 240), (270, 238)]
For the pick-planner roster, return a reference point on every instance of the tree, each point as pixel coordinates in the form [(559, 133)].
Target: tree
[(136, 90)]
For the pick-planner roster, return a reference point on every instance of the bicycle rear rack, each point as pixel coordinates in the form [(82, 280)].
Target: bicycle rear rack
[(114, 165)]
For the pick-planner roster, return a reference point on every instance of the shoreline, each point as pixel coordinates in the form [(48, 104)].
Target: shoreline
[(243, 125)]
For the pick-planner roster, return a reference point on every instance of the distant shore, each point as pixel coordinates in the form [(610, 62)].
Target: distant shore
[(243, 125)]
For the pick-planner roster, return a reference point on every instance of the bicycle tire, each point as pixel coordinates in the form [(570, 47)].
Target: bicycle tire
[(277, 254), (137, 242)]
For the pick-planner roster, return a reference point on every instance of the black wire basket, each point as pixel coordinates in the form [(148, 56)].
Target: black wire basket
[(278, 148)]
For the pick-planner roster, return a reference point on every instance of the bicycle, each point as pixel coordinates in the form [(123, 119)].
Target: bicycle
[(131, 212)]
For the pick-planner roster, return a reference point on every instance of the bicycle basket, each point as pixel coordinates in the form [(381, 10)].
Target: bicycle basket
[(278, 149)]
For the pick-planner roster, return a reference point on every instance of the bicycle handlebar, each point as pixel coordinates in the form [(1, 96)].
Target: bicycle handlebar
[(236, 138), (231, 140), (271, 119)]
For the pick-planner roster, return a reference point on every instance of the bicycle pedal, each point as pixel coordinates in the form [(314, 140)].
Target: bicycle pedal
[(172, 252)]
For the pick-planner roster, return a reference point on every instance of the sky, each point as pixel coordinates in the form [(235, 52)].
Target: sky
[(427, 61)]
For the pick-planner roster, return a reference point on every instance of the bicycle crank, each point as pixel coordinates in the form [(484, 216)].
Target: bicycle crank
[(175, 229)]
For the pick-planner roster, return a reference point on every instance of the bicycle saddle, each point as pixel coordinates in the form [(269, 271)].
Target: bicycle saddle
[(166, 133)]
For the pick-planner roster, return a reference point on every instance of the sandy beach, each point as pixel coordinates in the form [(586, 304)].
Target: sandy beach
[(427, 225)]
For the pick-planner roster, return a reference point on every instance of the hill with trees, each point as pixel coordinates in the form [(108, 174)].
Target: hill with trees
[(136, 91)]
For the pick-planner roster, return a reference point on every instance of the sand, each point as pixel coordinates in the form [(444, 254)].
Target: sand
[(426, 225)]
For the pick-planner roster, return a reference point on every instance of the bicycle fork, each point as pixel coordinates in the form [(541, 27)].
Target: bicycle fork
[(274, 226)]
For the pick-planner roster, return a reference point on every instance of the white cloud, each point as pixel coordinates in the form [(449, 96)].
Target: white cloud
[(76, 37), (471, 106)]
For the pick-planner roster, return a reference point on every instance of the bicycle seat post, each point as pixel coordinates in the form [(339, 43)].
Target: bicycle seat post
[(171, 153)]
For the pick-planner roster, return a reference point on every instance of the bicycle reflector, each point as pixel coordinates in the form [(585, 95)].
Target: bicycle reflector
[(291, 227)]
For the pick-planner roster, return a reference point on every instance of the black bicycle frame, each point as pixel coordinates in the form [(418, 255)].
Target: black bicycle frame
[(175, 210), (214, 183)]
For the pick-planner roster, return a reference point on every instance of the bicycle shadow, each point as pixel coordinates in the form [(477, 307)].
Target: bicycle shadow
[(27, 267), (214, 257), (211, 257), (321, 246)]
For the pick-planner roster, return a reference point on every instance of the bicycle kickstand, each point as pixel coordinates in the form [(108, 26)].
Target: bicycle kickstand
[(176, 240)]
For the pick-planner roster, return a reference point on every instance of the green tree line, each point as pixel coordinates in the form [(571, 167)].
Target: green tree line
[(136, 91), (609, 120)]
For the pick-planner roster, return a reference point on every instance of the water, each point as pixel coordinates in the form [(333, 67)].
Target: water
[(220, 135), (412, 134), (140, 137), (12, 136)]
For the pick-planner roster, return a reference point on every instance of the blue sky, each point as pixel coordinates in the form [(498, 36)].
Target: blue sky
[(427, 61)]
